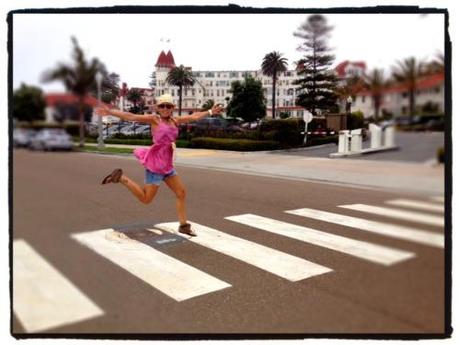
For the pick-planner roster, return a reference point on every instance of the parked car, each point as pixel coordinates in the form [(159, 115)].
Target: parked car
[(211, 124), (251, 125), (51, 139), (22, 136), (114, 129)]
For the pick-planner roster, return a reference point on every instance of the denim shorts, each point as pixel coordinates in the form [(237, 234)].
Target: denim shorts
[(156, 178)]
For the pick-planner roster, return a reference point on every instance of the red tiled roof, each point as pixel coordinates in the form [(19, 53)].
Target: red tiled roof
[(340, 68), (165, 60), (52, 99), (170, 58), (422, 84)]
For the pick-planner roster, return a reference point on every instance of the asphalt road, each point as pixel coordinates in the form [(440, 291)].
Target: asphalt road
[(413, 147), (58, 195)]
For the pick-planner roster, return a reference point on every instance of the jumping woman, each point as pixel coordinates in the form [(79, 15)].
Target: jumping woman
[(158, 158)]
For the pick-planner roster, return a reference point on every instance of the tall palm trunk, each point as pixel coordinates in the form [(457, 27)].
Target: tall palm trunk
[(274, 95), (376, 107), (81, 116), (411, 103), (180, 100)]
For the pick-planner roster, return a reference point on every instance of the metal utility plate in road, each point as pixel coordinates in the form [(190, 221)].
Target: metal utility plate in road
[(148, 234)]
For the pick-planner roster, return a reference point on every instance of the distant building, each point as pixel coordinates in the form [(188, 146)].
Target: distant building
[(64, 106), (395, 99), (349, 69), (216, 85)]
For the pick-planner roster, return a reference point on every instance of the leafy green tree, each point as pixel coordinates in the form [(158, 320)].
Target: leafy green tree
[(153, 80), (208, 104), (375, 82), (78, 78), (272, 64), (248, 101), (180, 77), (28, 103), (317, 83), (408, 71)]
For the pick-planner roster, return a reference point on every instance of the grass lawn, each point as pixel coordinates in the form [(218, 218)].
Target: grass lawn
[(89, 148)]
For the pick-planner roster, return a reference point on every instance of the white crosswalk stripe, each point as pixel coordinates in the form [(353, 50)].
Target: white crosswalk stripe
[(276, 262), (364, 250), (396, 231), (43, 298), (398, 214), (165, 273), (428, 206), (437, 198)]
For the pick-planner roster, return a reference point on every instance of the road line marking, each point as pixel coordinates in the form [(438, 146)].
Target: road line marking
[(165, 273), (43, 298), (385, 229), (364, 250), (428, 206), (276, 262), (398, 214)]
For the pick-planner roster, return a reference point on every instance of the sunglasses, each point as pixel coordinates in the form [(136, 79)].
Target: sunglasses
[(165, 106)]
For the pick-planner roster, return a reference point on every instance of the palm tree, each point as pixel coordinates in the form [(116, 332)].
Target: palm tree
[(135, 97), (375, 82), (180, 77), (349, 88), (79, 79), (407, 72), (272, 64), (436, 65)]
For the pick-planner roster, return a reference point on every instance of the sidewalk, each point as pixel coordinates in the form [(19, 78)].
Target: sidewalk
[(416, 178)]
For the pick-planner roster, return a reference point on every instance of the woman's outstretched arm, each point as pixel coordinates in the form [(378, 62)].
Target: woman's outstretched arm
[(124, 115), (216, 109)]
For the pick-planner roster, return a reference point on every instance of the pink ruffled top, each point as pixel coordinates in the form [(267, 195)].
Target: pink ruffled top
[(158, 158)]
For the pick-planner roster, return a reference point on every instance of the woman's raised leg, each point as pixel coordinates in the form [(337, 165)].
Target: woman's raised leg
[(145, 194)]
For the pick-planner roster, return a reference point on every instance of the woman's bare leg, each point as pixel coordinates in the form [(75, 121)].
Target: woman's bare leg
[(144, 194), (176, 185)]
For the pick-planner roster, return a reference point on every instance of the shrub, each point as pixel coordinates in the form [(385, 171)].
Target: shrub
[(440, 155), (233, 144), (355, 120), (287, 132)]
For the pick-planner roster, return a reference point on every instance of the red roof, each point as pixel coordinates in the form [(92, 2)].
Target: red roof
[(165, 60), (340, 68), (52, 99), (422, 84)]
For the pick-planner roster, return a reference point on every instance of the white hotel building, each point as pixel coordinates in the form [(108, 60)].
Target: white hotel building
[(216, 85)]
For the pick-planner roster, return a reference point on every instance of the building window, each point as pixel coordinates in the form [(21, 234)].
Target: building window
[(363, 99)]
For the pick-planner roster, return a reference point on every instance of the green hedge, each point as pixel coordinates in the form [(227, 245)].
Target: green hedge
[(233, 144), (287, 132), (355, 120)]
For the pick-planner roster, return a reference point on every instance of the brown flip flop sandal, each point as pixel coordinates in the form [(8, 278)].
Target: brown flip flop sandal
[(186, 229), (114, 177)]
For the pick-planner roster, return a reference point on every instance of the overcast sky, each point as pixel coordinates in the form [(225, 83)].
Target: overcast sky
[(129, 44)]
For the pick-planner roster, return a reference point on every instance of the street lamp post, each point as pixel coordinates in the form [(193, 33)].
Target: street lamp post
[(307, 117), (348, 107), (100, 140)]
